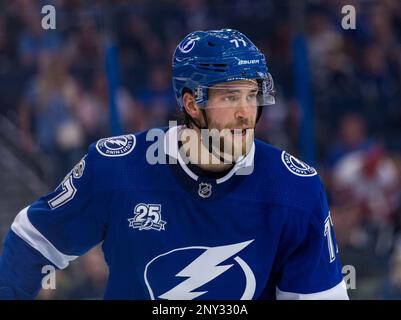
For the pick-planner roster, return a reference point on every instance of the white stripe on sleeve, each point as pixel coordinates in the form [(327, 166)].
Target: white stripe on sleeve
[(27, 232), (338, 292)]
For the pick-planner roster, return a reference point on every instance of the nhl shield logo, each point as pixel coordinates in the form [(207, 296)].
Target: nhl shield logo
[(205, 190)]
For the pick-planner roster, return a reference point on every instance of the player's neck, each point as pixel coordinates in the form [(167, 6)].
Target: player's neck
[(198, 154)]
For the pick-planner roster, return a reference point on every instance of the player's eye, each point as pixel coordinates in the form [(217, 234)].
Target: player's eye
[(230, 98), (252, 96)]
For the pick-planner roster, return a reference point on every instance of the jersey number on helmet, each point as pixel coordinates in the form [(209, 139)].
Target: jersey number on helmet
[(237, 41)]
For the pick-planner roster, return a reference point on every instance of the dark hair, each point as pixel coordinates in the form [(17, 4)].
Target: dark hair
[(182, 115)]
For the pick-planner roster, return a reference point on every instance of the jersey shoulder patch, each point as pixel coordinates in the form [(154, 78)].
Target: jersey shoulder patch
[(296, 166), (117, 146)]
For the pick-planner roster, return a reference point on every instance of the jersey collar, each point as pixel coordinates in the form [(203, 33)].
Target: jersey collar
[(244, 165)]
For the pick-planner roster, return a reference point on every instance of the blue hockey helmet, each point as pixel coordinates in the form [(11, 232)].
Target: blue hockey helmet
[(206, 58)]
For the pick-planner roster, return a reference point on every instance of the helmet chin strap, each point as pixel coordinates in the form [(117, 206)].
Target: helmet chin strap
[(206, 126)]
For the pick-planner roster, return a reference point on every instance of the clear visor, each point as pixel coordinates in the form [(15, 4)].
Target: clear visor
[(235, 94)]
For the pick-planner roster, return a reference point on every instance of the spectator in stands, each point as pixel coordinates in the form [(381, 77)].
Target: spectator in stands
[(352, 136), (93, 272), (48, 104), (391, 288)]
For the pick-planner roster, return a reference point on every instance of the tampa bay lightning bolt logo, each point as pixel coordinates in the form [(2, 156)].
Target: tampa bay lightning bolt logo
[(187, 45), (201, 272), (116, 146), (296, 166)]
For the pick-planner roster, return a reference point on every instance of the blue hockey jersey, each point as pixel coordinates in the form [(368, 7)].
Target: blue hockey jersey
[(263, 231)]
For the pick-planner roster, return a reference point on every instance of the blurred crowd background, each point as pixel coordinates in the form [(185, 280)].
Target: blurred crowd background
[(55, 102)]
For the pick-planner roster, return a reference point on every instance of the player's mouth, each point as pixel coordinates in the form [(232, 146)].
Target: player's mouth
[(239, 132)]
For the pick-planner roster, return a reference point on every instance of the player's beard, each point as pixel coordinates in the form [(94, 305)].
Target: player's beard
[(232, 142)]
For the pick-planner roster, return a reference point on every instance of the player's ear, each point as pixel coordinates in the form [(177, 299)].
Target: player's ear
[(190, 105)]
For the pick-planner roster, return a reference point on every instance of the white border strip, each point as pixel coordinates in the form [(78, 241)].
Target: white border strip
[(244, 162), (171, 149)]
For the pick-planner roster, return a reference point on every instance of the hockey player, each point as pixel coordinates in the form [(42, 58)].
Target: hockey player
[(226, 217)]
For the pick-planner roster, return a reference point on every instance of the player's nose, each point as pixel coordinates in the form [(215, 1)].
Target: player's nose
[(243, 111)]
